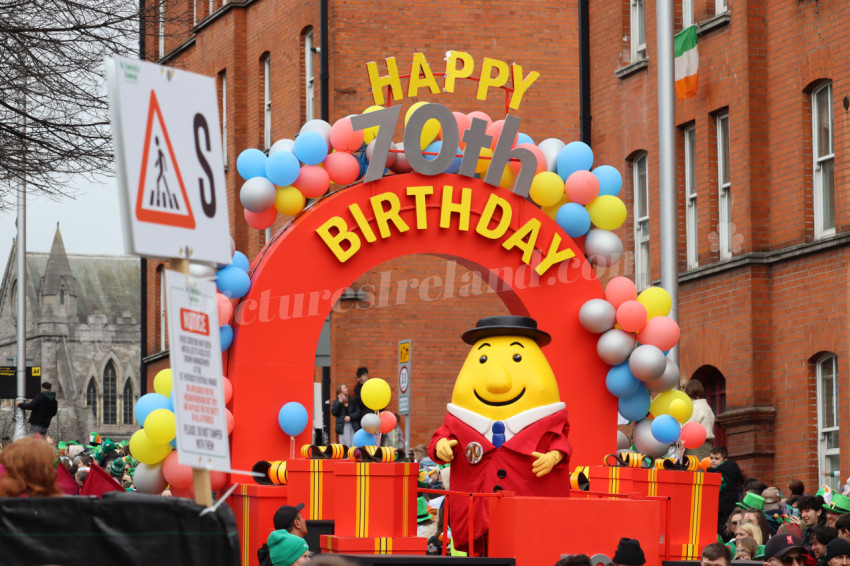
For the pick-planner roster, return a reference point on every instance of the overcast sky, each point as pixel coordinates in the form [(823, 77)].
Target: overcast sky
[(90, 223)]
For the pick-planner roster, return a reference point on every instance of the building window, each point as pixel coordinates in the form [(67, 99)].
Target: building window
[(638, 30), (824, 161), (641, 188), (267, 102), (687, 13), (110, 394), (724, 225), (91, 399), (691, 197), (223, 83), (129, 402), (163, 314), (308, 76), (61, 296), (161, 16), (828, 445), (721, 6)]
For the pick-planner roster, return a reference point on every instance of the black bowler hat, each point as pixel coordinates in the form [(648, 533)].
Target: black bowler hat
[(509, 325)]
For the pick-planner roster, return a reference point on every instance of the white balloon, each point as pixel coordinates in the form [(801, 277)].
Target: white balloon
[(370, 422), (284, 144), (201, 270), (597, 315), (257, 194), (551, 147), (645, 443), (391, 156), (615, 346), (148, 479), (401, 165), (603, 247), (623, 441), (320, 127), (668, 380), (647, 362)]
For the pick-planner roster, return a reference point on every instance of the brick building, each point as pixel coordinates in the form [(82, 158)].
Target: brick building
[(758, 213)]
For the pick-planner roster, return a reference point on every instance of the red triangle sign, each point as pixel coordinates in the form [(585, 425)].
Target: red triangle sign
[(161, 203)]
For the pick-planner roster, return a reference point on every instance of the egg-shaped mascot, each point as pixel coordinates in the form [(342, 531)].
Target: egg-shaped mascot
[(506, 427)]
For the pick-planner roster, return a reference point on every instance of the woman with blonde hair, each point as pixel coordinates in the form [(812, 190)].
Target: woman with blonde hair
[(28, 469), (748, 529)]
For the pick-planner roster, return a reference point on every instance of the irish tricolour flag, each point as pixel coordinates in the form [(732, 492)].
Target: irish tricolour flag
[(687, 62)]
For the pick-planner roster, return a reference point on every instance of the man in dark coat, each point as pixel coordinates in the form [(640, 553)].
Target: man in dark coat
[(730, 486), (43, 408)]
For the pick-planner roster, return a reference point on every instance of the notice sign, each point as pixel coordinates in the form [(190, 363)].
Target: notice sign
[(404, 377), (195, 350)]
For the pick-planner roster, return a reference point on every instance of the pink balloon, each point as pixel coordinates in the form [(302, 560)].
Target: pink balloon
[(175, 474), (313, 181), (218, 480), (692, 434), (388, 422), (228, 390), (186, 492), (463, 123), (225, 309), (631, 316), (495, 130), (229, 416), (261, 220), (481, 115), (342, 168), (660, 331), (344, 137), (582, 187), (541, 159), (619, 290)]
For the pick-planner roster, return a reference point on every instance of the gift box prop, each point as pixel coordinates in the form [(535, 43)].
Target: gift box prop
[(332, 544), (254, 507)]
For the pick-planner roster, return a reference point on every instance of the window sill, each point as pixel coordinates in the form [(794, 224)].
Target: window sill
[(714, 22), (632, 68)]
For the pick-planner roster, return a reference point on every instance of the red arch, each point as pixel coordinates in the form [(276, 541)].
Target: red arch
[(271, 361)]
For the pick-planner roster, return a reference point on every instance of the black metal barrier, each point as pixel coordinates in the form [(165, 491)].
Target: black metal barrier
[(409, 560)]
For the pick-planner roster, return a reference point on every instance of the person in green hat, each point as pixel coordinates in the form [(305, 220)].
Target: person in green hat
[(286, 549), (751, 501), (425, 521), (838, 505), (116, 469)]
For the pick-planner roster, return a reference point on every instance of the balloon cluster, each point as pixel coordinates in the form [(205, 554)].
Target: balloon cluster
[(636, 333), (232, 282), (155, 444), (376, 394)]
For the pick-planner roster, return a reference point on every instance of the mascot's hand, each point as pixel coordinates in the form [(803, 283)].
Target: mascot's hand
[(445, 450), (545, 462)]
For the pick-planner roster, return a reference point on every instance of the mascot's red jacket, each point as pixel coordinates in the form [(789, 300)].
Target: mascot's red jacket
[(505, 468)]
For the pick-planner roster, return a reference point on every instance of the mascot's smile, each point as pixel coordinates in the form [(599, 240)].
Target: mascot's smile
[(499, 403)]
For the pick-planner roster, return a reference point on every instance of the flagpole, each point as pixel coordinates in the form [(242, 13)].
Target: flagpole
[(667, 157)]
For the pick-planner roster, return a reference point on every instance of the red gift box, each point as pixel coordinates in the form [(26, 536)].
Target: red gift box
[(610, 479), (375, 499), (311, 482), (333, 544), (254, 507)]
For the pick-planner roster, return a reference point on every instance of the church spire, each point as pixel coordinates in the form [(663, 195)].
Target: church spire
[(58, 269)]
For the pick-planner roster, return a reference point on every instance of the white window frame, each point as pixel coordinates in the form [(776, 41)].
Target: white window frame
[(641, 221), (724, 186), (637, 22), (212, 7), (691, 216), (161, 30), (687, 13), (224, 117), (721, 6), (827, 362), (823, 226), (194, 12), (309, 77), (267, 102)]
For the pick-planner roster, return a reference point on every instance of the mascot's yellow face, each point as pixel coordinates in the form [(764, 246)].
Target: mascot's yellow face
[(503, 376)]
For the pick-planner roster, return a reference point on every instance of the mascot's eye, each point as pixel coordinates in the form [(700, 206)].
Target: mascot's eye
[(482, 359), (517, 358)]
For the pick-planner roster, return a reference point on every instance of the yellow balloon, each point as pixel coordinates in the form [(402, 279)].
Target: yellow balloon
[(656, 300), (430, 130), (661, 404), (376, 393), (289, 201), (552, 211), (507, 180), (681, 410), (160, 426), (146, 451), (162, 383), (483, 161), (371, 133), (607, 212), (547, 188)]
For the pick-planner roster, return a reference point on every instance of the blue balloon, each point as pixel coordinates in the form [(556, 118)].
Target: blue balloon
[(363, 438), (620, 381), (225, 334), (292, 418), (575, 156), (282, 168), (232, 282), (665, 429), (435, 147), (635, 406), (240, 260), (148, 403), (610, 180), (524, 138), (311, 148), (574, 219), (251, 163), (172, 400), (173, 443)]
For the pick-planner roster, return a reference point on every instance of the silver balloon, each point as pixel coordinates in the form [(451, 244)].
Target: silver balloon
[(401, 165), (647, 362), (149, 479), (615, 346), (668, 380), (603, 247), (371, 423), (320, 127), (257, 194), (391, 157), (551, 147), (201, 270), (597, 315), (645, 443), (284, 144), (623, 441)]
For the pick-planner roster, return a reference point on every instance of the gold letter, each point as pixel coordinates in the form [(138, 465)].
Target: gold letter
[(528, 230), (383, 217), (452, 72), (419, 193), (362, 223), (342, 233), (487, 81), (487, 216), (521, 84), (416, 82), (378, 82), (462, 208), (554, 255)]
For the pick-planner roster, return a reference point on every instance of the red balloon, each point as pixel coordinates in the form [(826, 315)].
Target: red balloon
[(186, 492), (495, 130), (218, 480), (313, 181), (342, 168), (344, 137), (619, 290), (582, 187), (693, 435), (660, 331), (631, 316), (481, 115), (261, 220), (225, 309), (176, 475), (229, 416), (388, 422), (463, 123), (228, 390)]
